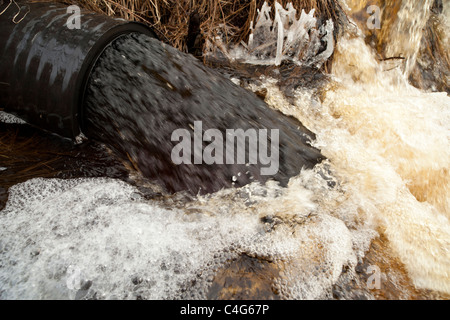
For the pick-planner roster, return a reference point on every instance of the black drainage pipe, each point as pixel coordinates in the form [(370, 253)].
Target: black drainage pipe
[(45, 60)]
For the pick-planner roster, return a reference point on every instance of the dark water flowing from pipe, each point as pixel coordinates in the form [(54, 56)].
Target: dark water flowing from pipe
[(142, 90)]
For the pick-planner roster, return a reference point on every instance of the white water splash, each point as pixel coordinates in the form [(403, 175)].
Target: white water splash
[(98, 238), (389, 144), (408, 31)]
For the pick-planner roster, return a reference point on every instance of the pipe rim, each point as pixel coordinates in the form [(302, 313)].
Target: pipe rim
[(91, 61)]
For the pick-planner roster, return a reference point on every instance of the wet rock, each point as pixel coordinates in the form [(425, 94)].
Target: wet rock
[(246, 278)]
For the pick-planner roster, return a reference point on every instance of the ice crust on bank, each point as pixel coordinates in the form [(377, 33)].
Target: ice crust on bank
[(286, 38)]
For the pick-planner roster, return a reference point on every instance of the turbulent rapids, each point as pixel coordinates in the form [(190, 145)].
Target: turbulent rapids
[(367, 217)]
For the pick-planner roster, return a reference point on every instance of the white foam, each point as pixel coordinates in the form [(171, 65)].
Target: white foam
[(9, 118), (388, 146), (99, 238)]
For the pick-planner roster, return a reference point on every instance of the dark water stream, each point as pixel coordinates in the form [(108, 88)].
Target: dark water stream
[(142, 90)]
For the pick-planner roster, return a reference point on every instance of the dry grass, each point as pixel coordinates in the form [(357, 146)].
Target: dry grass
[(24, 156), (171, 19)]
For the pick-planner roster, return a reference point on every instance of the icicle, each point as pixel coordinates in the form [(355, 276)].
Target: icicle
[(286, 38), (280, 39), (319, 59), (250, 38)]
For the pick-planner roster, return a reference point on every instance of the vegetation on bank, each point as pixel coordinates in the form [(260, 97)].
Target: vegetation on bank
[(185, 24)]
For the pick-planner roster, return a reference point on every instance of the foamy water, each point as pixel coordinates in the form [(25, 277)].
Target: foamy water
[(101, 238), (388, 144)]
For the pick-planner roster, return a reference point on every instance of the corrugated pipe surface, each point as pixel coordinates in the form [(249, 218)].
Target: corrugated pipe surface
[(47, 51)]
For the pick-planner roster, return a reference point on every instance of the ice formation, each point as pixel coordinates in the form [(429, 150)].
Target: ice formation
[(286, 38)]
